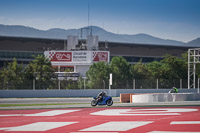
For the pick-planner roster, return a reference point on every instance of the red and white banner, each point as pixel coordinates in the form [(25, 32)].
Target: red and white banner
[(60, 56), (70, 57), (100, 56)]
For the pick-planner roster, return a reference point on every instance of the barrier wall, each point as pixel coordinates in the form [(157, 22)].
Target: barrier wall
[(165, 97), (78, 93)]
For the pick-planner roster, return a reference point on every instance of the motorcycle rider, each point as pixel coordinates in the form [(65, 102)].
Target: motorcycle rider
[(100, 96), (173, 90)]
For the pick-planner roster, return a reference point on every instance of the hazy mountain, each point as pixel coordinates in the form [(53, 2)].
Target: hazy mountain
[(56, 33), (195, 42)]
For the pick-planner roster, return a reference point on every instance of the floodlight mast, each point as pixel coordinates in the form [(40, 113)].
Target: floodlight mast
[(193, 59)]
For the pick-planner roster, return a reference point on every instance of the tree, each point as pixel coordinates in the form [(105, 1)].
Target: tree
[(41, 70), (98, 75), (173, 68), (154, 70), (142, 75), (12, 75), (139, 71), (120, 70)]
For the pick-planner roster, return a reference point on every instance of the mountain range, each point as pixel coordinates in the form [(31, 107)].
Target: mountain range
[(56, 33)]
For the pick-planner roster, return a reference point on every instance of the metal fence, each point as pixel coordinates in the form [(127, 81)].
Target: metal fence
[(84, 84)]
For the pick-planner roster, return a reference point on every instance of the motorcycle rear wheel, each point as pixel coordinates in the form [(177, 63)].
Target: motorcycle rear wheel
[(93, 103), (109, 102)]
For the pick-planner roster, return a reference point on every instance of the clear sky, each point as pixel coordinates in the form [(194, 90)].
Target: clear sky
[(167, 19)]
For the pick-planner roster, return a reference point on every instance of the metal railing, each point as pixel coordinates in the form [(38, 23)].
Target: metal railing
[(84, 84)]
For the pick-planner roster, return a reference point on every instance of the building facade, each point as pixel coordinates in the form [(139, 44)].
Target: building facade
[(24, 49)]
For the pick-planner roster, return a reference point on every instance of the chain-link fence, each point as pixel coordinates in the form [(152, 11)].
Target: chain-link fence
[(85, 84), (152, 84)]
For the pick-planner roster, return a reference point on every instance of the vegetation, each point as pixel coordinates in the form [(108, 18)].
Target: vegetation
[(120, 69), (98, 75), (15, 76), (12, 76), (170, 68), (41, 71)]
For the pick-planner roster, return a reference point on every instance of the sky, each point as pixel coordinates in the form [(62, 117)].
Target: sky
[(167, 19)]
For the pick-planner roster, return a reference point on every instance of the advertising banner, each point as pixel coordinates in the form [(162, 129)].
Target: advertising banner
[(100, 56), (74, 57), (80, 56), (60, 56)]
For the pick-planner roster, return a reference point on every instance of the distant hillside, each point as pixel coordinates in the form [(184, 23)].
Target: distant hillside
[(22, 31), (195, 42)]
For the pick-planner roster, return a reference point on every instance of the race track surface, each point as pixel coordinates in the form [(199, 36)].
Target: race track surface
[(102, 120)]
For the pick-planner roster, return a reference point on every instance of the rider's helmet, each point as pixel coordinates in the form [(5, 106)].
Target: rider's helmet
[(104, 92), (175, 89)]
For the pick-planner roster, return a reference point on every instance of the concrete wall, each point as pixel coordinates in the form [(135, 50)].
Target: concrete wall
[(165, 97), (78, 93)]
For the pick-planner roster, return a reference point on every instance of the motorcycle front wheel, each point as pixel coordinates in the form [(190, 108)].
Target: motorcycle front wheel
[(109, 102), (93, 103)]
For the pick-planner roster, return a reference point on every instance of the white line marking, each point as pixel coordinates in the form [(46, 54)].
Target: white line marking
[(4, 128), (46, 113), (51, 113), (170, 132), (166, 110), (127, 112), (39, 126), (93, 132), (117, 126), (185, 122), (138, 112), (11, 115)]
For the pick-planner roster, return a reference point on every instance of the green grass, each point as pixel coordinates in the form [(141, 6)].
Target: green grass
[(14, 105)]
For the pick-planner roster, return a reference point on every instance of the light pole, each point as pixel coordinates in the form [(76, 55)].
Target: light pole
[(110, 81), (104, 84)]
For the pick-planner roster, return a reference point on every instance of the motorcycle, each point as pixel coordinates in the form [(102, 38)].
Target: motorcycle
[(173, 90), (106, 100)]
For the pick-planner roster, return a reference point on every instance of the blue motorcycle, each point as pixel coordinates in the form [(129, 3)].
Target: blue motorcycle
[(106, 100)]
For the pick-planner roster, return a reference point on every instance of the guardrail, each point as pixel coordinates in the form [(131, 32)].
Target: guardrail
[(79, 93)]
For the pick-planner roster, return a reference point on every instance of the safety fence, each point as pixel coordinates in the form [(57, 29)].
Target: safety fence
[(85, 84)]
